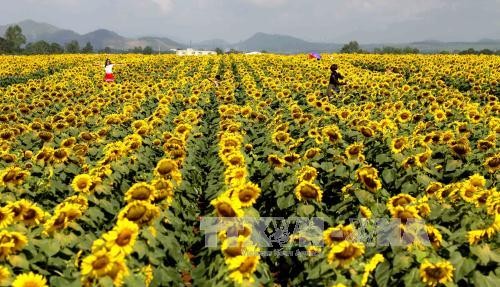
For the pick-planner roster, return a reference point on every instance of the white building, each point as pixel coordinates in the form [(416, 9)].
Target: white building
[(192, 52)]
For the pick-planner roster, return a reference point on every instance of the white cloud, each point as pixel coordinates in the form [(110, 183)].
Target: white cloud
[(267, 3), (164, 5)]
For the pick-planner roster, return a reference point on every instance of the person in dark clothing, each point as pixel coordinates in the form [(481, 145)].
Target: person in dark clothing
[(335, 78)]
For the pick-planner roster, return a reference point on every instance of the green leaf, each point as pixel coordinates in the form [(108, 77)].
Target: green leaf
[(134, 280), (383, 274), (462, 266), (485, 254), (382, 158), (388, 175), (402, 262), (286, 201), (49, 247), (412, 278), (305, 210), (341, 171), (485, 281), (19, 261), (452, 165), (364, 197), (408, 188)]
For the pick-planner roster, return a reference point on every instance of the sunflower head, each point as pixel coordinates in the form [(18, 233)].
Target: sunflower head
[(82, 183), (122, 236), (247, 193), (227, 207), (140, 191), (433, 274), (30, 280), (308, 191), (342, 254)]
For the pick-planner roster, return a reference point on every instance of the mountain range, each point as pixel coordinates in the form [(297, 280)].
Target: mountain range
[(101, 38)]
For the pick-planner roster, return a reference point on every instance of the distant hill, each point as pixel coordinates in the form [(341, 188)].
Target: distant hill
[(275, 43), (213, 44), (101, 38), (159, 42), (433, 46), (283, 44)]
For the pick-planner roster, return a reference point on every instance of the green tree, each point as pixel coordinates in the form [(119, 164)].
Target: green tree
[(14, 35), (136, 50), (219, 51), (5, 46), (55, 48), (40, 47), (72, 47), (148, 50), (107, 50), (351, 47), (88, 48)]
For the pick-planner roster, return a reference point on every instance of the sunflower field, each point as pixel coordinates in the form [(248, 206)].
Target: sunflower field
[(106, 184)]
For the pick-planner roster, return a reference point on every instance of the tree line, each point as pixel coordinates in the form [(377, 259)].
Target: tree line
[(13, 40), (354, 48)]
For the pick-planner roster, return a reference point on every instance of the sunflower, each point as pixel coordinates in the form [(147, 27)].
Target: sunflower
[(401, 199), (247, 193), (340, 233), (164, 190), (4, 275), (404, 116), (140, 191), (60, 155), (100, 262), (332, 134), (226, 207), (13, 176), (6, 217), (241, 268), (79, 200), (342, 254), (475, 236), (311, 153), (354, 150), (275, 161), (460, 148), (409, 162), (365, 212), (492, 163), (82, 183), (235, 159), (139, 212), (369, 177), (399, 144), (31, 215), (280, 138), (30, 280), (307, 190), (469, 192), (433, 187), (422, 158), (62, 217), (168, 169), (122, 236), (306, 173), (439, 115), (434, 236), (370, 266), (234, 246), (405, 213), (437, 273), (235, 176), (235, 229)]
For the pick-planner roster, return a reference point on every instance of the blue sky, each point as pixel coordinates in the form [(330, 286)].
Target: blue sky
[(367, 21)]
